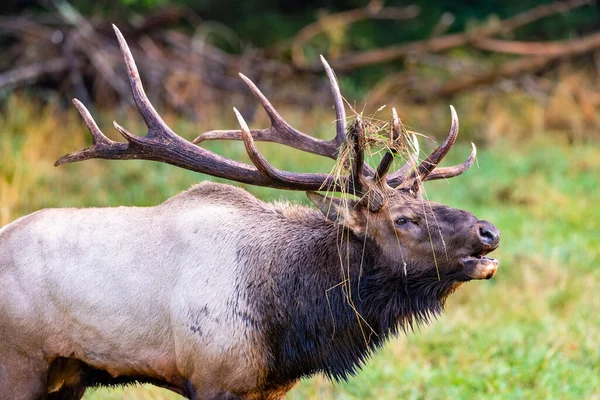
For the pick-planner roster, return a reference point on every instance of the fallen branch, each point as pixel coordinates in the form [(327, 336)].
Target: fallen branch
[(176, 69), (83, 35), (511, 68), (522, 48), (373, 10), (370, 57), (32, 72), (159, 19), (75, 74), (25, 27)]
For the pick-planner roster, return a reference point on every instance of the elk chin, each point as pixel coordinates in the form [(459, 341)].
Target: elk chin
[(479, 267)]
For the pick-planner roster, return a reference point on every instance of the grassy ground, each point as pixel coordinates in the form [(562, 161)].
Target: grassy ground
[(532, 332)]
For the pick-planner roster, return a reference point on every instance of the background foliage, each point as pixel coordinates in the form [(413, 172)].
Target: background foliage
[(269, 23)]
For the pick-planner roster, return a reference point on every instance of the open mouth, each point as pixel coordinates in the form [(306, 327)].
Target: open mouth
[(477, 266)]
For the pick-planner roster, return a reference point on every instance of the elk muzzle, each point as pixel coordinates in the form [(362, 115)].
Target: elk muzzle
[(476, 265)]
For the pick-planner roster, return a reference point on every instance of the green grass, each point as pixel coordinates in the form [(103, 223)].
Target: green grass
[(533, 332)]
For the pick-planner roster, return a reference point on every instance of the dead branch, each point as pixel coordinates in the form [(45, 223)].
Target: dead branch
[(85, 38), (159, 19), (25, 27), (522, 48), (341, 20), (354, 60), (527, 17), (75, 74), (29, 73), (177, 69), (515, 67)]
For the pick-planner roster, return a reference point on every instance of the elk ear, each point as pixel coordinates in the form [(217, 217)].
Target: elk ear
[(334, 208)]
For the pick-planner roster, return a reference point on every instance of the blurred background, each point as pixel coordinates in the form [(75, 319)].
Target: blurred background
[(524, 78)]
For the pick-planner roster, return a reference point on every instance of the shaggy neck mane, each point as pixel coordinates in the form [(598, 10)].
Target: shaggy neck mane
[(335, 299)]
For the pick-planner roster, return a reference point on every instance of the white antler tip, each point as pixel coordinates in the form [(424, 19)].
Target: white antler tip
[(251, 85), (118, 32), (241, 120), (326, 65), (453, 112)]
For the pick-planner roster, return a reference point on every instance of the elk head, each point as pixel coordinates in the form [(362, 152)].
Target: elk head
[(390, 211)]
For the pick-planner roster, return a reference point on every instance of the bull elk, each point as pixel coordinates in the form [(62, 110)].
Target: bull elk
[(215, 294)]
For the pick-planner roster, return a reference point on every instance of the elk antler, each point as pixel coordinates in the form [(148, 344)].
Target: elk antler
[(411, 175), (163, 145)]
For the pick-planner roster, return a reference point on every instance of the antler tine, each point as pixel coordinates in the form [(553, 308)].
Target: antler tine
[(280, 130), (256, 157), (285, 177), (388, 157), (98, 137), (409, 176), (384, 166), (361, 185), (428, 170), (440, 152), (399, 176), (340, 114), (100, 142), (338, 103), (156, 125), (450, 172)]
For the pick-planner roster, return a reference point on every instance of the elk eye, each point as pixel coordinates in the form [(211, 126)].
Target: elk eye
[(402, 221)]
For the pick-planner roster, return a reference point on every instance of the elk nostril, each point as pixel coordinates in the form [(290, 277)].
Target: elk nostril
[(487, 235)]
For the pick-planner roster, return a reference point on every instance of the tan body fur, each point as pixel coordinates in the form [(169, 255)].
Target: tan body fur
[(140, 278)]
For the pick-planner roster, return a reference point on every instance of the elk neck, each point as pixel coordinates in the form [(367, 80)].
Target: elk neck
[(330, 298)]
